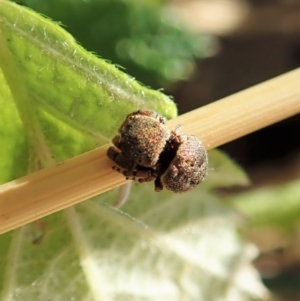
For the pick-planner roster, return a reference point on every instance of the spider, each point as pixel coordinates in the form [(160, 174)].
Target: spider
[(146, 150)]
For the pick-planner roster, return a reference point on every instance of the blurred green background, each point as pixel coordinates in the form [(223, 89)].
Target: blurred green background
[(142, 37)]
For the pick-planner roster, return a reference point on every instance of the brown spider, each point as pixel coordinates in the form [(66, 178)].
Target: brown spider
[(145, 150)]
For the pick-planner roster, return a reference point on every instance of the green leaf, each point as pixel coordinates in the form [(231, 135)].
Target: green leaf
[(223, 172), (145, 37), (276, 205), (14, 148), (59, 99), (163, 246)]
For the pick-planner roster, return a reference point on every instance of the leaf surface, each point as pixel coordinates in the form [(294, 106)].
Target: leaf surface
[(59, 101)]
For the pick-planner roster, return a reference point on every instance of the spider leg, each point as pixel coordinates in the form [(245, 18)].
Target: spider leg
[(120, 159), (141, 174), (123, 194), (158, 186), (175, 137), (116, 141), (129, 169)]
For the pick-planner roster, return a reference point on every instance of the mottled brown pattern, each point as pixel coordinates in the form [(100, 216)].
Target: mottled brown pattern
[(147, 151), (189, 166)]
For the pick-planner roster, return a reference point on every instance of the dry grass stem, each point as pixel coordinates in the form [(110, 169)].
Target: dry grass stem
[(44, 192)]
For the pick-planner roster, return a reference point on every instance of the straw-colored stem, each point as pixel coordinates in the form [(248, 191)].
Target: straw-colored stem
[(55, 188)]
